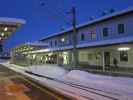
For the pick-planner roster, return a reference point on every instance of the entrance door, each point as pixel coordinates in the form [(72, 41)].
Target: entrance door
[(107, 58)]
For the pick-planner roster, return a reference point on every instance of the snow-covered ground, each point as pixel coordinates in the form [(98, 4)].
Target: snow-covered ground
[(49, 71), (114, 86)]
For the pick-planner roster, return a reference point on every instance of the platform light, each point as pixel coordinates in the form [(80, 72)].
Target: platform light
[(5, 29), (124, 49)]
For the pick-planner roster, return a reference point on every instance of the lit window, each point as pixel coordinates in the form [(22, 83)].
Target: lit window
[(121, 28), (93, 35), (82, 37), (124, 56), (105, 32)]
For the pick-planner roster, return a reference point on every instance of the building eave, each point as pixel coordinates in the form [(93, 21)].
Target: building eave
[(7, 20), (108, 42)]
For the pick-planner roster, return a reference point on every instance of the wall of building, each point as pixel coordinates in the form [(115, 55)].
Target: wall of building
[(112, 25), (94, 56), (97, 28)]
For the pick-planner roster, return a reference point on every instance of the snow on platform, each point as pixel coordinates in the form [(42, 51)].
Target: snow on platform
[(119, 87), (48, 70)]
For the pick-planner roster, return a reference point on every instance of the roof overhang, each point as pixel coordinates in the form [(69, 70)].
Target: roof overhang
[(8, 26), (6, 20)]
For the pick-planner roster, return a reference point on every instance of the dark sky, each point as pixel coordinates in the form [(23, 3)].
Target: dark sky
[(49, 16)]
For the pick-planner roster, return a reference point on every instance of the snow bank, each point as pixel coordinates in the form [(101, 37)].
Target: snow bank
[(76, 75), (48, 70), (81, 75), (119, 85)]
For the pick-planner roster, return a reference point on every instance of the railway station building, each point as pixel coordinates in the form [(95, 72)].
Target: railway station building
[(105, 41)]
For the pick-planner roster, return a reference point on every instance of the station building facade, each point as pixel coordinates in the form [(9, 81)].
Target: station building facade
[(99, 42)]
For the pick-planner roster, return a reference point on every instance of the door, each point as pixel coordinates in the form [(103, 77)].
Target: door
[(107, 58)]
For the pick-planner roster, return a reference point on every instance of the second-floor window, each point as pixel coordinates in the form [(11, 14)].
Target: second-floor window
[(82, 37), (121, 28), (93, 35), (105, 32), (51, 43), (55, 42)]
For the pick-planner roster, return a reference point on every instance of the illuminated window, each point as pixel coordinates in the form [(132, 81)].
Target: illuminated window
[(93, 35)]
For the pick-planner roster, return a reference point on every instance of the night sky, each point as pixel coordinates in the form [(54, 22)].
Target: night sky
[(49, 16)]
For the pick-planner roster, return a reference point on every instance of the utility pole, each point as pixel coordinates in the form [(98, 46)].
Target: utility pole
[(74, 36)]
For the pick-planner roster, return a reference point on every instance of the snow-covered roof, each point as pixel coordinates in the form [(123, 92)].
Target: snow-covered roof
[(11, 20), (107, 42), (36, 43), (122, 12), (106, 17), (61, 48), (96, 43)]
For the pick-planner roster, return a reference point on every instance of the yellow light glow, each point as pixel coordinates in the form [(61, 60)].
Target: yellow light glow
[(2, 34), (123, 49), (5, 29)]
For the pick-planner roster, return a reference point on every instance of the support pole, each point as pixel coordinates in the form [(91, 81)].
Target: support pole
[(103, 68), (75, 53)]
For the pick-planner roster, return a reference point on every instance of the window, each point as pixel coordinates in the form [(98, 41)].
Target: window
[(82, 37), (105, 32), (51, 44), (121, 28), (93, 35), (124, 56), (90, 56), (55, 42)]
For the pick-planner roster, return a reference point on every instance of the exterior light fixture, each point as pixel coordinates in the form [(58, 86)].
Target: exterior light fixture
[(124, 49), (62, 39), (5, 29)]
